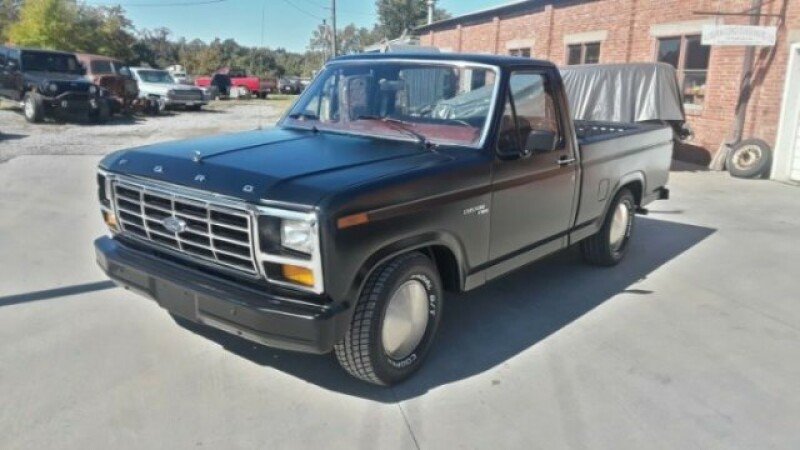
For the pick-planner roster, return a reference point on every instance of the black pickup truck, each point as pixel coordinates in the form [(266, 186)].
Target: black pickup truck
[(50, 83), (341, 229)]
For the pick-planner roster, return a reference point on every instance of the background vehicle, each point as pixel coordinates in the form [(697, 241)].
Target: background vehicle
[(292, 86), (341, 229), (237, 77), (114, 76), (158, 85), (49, 83), (178, 73)]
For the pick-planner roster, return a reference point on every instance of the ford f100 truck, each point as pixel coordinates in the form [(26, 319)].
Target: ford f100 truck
[(342, 228)]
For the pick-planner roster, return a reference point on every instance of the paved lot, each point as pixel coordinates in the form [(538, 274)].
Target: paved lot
[(692, 342)]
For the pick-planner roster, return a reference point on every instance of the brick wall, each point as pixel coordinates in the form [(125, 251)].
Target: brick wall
[(629, 37)]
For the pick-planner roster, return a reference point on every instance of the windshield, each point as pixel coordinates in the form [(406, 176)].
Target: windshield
[(50, 62), (107, 67), (434, 102), (156, 76)]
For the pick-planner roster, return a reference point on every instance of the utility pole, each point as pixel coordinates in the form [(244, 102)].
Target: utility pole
[(333, 25), (431, 5)]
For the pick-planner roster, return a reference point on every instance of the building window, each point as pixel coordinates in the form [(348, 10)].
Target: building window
[(690, 58), (588, 53), (522, 52)]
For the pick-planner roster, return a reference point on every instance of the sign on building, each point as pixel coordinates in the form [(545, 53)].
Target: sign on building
[(739, 35)]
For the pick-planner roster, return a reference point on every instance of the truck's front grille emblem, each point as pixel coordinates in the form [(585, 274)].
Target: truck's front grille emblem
[(215, 233)]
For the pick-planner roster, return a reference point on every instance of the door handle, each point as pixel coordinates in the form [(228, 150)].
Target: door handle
[(565, 161)]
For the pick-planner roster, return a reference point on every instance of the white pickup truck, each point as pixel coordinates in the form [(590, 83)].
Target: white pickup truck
[(158, 85)]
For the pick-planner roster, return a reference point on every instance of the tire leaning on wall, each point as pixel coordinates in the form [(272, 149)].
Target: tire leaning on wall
[(750, 158)]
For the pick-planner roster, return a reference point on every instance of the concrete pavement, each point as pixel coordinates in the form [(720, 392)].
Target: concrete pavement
[(692, 342)]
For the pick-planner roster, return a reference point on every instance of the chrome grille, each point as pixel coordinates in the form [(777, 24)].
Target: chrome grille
[(186, 95), (214, 233)]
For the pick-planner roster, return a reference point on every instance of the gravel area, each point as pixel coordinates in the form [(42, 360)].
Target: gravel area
[(18, 137)]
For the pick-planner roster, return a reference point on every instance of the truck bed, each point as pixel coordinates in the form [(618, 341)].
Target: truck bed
[(614, 154)]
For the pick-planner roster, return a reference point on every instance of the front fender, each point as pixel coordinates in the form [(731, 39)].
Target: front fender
[(422, 241)]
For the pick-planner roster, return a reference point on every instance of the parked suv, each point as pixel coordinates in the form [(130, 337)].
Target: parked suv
[(158, 85), (49, 83), (114, 76)]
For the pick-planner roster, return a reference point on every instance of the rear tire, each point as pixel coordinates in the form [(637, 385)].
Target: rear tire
[(610, 244), (395, 321), (33, 107)]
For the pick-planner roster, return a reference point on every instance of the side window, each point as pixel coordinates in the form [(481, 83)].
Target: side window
[(530, 122), (2, 57)]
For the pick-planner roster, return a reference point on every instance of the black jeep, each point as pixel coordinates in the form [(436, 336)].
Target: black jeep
[(49, 83)]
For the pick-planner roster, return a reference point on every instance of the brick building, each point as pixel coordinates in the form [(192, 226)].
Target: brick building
[(609, 31)]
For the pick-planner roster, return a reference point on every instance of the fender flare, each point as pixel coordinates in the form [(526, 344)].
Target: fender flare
[(405, 245)]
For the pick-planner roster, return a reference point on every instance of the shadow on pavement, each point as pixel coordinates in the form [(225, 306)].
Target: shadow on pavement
[(482, 329), (11, 136), (57, 292)]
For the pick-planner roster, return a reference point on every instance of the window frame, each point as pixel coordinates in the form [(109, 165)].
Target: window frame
[(520, 50), (508, 100), (582, 46), (681, 68)]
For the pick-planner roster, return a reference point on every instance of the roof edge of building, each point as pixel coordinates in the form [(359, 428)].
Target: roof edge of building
[(517, 7)]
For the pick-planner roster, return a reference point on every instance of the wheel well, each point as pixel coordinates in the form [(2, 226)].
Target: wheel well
[(446, 263), (636, 189)]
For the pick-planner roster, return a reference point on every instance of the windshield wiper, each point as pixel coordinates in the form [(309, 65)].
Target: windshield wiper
[(403, 126)]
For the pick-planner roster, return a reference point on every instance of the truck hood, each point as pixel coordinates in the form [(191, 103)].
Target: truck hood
[(285, 165), (38, 77), (162, 88)]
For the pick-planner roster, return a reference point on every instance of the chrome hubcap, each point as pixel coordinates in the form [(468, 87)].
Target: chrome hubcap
[(619, 225), (406, 320), (746, 156)]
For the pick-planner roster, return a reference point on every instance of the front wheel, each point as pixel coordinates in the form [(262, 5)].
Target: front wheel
[(395, 321), (610, 244), (33, 107)]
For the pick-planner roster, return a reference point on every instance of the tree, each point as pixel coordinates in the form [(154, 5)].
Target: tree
[(9, 12), (397, 16), (45, 24)]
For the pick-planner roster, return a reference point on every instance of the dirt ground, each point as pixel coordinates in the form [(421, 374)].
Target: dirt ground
[(18, 137)]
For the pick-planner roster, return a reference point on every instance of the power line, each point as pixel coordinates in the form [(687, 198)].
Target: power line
[(288, 2)]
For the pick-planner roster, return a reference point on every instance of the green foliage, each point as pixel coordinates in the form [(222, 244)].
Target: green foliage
[(398, 16), (9, 13), (45, 24)]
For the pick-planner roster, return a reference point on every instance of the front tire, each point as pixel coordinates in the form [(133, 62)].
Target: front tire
[(33, 107), (610, 244), (395, 321)]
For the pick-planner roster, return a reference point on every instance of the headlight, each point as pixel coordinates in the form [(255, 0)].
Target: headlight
[(52, 87), (92, 89), (289, 245), (297, 235)]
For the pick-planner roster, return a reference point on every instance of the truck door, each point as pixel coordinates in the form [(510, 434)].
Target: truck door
[(534, 174)]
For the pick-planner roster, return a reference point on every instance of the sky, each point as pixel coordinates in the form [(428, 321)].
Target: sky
[(287, 23)]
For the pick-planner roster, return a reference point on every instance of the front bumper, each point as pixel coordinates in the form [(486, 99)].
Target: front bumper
[(71, 103), (261, 317)]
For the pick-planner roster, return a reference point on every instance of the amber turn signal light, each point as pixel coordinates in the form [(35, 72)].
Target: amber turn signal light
[(111, 220), (299, 275)]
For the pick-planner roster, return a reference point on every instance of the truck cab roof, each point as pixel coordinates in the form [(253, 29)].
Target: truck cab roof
[(492, 60)]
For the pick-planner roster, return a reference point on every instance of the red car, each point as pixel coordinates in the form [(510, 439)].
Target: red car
[(238, 78)]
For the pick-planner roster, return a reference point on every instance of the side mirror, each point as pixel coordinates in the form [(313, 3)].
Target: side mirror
[(12, 66), (541, 141)]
